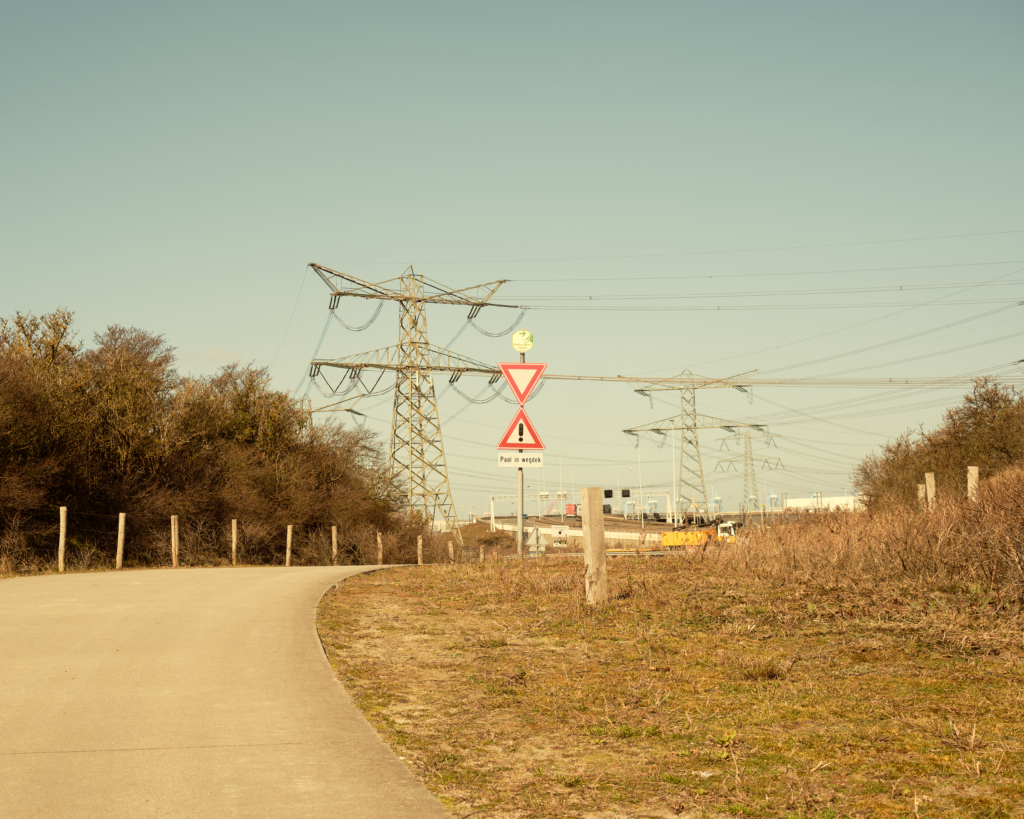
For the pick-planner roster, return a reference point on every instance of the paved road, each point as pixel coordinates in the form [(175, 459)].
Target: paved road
[(187, 693)]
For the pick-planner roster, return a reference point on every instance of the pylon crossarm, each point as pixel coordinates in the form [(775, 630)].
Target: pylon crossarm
[(332, 278), (428, 357), (685, 379), (477, 295), (703, 422)]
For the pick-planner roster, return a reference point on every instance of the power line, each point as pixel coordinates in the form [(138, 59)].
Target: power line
[(705, 252), (821, 272), (739, 294), (713, 308)]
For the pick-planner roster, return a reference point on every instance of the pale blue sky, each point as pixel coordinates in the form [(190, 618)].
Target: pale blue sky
[(176, 166)]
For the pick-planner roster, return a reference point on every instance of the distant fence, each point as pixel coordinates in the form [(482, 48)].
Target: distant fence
[(85, 540)]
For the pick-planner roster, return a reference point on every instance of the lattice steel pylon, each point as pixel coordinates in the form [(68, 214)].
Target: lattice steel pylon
[(749, 473), (416, 448), (691, 466)]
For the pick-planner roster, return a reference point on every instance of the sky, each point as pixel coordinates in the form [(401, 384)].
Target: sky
[(722, 187)]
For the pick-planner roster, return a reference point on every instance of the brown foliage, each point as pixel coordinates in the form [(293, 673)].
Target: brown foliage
[(115, 428), (986, 430)]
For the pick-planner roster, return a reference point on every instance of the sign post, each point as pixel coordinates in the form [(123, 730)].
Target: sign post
[(521, 342)]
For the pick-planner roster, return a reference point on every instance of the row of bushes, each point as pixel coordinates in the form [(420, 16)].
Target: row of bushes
[(113, 427), (985, 430)]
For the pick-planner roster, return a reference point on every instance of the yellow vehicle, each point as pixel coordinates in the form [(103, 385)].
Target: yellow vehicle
[(699, 538)]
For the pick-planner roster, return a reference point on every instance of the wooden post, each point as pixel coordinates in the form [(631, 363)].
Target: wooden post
[(380, 550), (120, 541), (419, 550), (451, 552), (594, 553), (288, 548), (63, 538), (921, 495), (174, 541), (334, 545), (972, 483), (929, 482), (234, 542)]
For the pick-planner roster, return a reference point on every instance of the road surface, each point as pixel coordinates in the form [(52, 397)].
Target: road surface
[(184, 693)]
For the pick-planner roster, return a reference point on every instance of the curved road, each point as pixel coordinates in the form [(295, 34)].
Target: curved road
[(185, 693)]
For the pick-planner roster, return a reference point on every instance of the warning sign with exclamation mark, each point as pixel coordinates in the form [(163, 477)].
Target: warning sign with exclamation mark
[(521, 434)]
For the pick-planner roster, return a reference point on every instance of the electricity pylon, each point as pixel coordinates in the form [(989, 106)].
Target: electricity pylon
[(416, 448), (691, 467), (749, 474)]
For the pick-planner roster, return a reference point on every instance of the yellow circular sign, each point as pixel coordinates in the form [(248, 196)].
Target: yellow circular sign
[(522, 341)]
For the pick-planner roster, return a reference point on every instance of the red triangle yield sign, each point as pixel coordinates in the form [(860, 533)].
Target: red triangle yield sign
[(522, 378), (520, 434)]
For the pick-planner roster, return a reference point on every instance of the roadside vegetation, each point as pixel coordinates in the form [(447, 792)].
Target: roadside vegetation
[(985, 430), (848, 664), (114, 427), (806, 674)]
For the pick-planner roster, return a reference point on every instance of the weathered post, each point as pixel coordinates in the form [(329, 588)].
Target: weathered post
[(120, 541), (972, 483), (594, 555), (419, 550), (451, 552), (334, 545), (174, 541), (481, 553), (921, 495), (929, 482), (234, 542), (380, 550), (288, 548), (63, 538)]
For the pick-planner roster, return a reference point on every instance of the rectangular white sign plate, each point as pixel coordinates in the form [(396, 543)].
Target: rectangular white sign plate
[(523, 459)]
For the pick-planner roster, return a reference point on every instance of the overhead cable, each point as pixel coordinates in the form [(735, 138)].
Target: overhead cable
[(482, 331), (373, 318)]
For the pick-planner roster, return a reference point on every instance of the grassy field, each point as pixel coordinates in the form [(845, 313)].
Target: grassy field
[(698, 690)]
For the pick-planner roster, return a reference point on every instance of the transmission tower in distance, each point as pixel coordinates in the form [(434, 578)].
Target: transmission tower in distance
[(416, 449), (691, 466), (749, 503)]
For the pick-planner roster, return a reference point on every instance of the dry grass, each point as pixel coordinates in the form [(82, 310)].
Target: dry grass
[(958, 545), (728, 686)]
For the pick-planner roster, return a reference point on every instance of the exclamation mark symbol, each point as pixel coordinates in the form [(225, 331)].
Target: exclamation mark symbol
[(520, 433)]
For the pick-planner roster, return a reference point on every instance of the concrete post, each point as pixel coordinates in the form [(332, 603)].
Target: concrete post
[(380, 550), (929, 482), (921, 495), (174, 541), (288, 548), (451, 552), (972, 483), (594, 553), (334, 545), (481, 553), (234, 541), (419, 550), (63, 538), (120, 541)]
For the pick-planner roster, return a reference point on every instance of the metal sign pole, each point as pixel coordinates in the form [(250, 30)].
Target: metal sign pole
[(519, 510)]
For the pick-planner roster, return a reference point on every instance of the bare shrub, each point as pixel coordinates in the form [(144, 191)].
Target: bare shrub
[(14, 551), (115, 428), (985, 430)]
